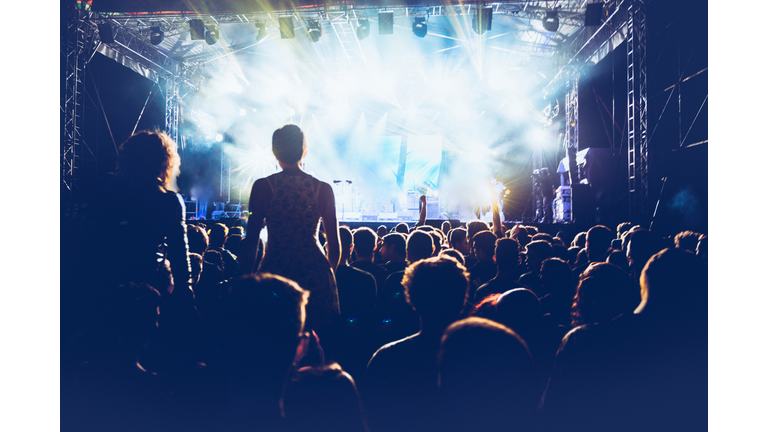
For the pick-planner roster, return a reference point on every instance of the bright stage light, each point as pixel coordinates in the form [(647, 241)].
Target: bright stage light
[(419, 26), (219, 137), (314, 31), (156, 35), (262, 26), (211, 35), (551, 22), (363, 28), (242, 111)]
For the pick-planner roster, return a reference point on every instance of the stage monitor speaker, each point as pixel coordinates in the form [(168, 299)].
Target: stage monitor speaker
[(593, 14), (433, 207), (583, 204)]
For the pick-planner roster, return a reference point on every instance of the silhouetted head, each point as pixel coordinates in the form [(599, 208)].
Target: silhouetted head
[(605, 291), (457, 239), (573, 254), (599, 239), (453, 253), (674, 288), (486, 376), (535, 253), (436, 288), (557, 278), (507, 254), (402, 228), (622, 228), (197, 239), (323, 399), (474, 227), (544, 236), (381, 231), (483, 245), (347, 244), (419, 246), (260, 320), (196, 264), (687, 240), (232, 243), (580, 240), (149, 157), (445, 227), (217, 234), (288, 144), (393, 247), (702, 248), (365, 240), (519, 309)]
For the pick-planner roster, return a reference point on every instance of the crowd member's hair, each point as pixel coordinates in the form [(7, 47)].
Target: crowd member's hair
[(217, 234), (507, 253), (702, 248), (622, 228), (419, 246), (436, 288), (673, 287), (573, 254), (197, 239), (288, 144), (456, 235), (453, 253), (445, 227), (540, 248), (605, 291), (474, 227), (580, 240), (599, 239), (437, 241), (236, 230), (518, 308), (556, 273), (324, 398), (345, 237), (196, 264), (544, 236), (381, 231), (402, 228), (232, 243), (397, 240), (262, 313), (365, 241), (532, 230), (149, 157), (687, 240), (484, 241)]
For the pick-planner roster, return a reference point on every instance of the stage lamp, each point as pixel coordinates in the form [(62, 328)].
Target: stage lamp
[(386, 22), (156, 35), (363, 28), (105, 33), (551, 22), (482, 21), (196, 29), (211, 35), (286, 27), (314, 31), (419, 27), (262, 26)]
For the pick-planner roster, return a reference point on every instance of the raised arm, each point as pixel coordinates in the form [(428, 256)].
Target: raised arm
[(327, 204), (422, 212), (261, 194)]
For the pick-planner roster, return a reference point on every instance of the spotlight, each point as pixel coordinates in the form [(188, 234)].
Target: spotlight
[(363, 28), (262, 26), (196, 29), (211, 35), (219, 137), (105, 33), (156, 35), (314, 31), (419, 27), (551, 22), (386, 22), (482, 21), (286, 27)]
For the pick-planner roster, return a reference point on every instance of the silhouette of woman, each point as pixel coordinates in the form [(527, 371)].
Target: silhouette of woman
[(292, 203)]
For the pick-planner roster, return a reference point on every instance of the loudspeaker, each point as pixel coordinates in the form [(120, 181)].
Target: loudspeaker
[(105, 33), (583, 204), (196, 29), (593, 15)]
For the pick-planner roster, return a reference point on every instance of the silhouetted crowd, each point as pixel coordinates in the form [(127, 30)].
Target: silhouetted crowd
[(468, 328)]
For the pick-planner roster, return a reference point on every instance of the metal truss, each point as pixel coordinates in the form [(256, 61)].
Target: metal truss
[(172, 108), (345, 27), (226, 180), (78, 45), (572, 123), (637, 113)]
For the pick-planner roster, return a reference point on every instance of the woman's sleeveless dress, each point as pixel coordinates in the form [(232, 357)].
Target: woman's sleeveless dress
[(293, 250)]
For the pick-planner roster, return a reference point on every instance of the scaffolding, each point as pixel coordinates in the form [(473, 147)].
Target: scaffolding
[(637, 113)]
